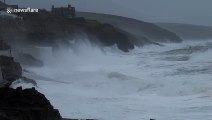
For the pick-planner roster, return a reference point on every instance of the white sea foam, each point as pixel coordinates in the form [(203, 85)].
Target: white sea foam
[(90, 82)]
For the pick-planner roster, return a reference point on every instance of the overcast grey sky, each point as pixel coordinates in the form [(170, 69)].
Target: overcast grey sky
[(186, 11)]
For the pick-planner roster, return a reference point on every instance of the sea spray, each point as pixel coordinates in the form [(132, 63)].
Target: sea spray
[(107, 84)]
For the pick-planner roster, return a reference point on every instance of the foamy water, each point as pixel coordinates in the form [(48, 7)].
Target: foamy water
[(173, 82)]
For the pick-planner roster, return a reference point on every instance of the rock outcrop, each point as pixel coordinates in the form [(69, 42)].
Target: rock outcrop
[(108, 35), (10, 70), (46, 30), (28, 104), (145, 32)]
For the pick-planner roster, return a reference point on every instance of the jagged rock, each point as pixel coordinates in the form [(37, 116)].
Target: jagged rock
[(28, 104), (108, 35), (10, 69)]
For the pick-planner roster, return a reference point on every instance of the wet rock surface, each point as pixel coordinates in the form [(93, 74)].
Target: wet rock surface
[(108, 35), (28, 104), (10, 70)]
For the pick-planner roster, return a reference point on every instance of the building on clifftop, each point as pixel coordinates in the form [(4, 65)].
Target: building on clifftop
[(66, 12), (4, 6)]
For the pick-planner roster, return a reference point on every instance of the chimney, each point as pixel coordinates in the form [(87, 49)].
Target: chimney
[(69, 6)]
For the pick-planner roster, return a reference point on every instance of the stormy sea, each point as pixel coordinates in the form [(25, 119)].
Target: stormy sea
[(168, 82)]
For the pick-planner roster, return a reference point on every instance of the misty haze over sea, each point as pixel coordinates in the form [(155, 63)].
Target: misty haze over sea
[(170, 82)]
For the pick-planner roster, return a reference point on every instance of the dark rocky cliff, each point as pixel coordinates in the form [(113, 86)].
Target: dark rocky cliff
[(19, 104), (145, 32), (28, 104), (45, 29), (10, 70)]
